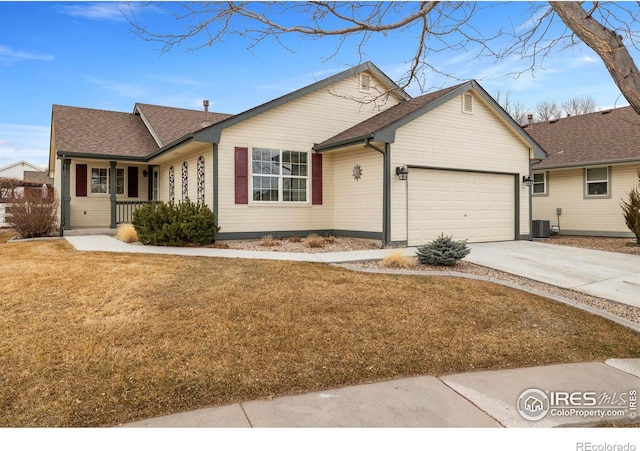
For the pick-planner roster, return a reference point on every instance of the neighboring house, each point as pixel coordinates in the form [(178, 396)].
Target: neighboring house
[(30, 177), (17, 170), (322, 159), (592, 165)]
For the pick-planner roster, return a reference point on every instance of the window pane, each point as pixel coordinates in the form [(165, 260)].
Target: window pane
[(538, 178), (538, 188), (265, 189), (99, 181), (120, 181), (294, 189), (596, 174), (597, 189)]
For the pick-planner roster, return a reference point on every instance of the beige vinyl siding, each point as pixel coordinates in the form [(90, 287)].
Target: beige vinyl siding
[(189, 155), (447, 138), (585, 215), (295, 126), (358, 203), (94, 210)]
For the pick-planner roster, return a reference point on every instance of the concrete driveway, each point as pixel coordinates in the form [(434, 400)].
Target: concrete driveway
[(608, 275)]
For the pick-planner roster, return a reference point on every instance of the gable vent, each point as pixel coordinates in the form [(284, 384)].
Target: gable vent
[(467, 103), (365, 82)]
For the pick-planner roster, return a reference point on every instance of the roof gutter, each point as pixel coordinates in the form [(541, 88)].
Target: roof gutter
[(91, 156), (589, 163)]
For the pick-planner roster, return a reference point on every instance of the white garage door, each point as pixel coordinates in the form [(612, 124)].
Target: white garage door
[(466, 205)]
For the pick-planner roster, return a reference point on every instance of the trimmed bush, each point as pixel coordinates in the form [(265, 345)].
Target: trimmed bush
[(443, 251), (166, 224)]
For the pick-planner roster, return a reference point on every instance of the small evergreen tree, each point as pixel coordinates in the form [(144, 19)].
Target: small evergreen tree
[(443, 251), (631, 210)]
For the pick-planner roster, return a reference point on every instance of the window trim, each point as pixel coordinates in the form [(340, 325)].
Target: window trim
[(280, 177), (586, 183), (90, 191), (545, 184)]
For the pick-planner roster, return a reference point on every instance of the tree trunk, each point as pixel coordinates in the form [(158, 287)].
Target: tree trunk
[(607, 44)]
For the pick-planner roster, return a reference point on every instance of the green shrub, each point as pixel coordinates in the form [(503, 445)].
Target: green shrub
[(166, 224), (443, 251)]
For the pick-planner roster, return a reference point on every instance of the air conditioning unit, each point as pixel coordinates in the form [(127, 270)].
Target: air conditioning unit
[(541, 229)]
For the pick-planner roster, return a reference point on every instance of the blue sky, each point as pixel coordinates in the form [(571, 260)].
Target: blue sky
[(85, 54)]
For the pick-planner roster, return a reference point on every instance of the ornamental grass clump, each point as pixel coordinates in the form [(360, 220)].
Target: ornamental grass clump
[(127, 233), (396, 260), (443, 251)]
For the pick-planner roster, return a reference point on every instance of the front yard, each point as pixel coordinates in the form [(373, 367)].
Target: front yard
[(98, 339)]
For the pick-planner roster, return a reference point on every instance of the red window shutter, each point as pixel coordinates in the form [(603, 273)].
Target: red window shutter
[(316, 179), (81, 180), (241, 175), (132, 181)]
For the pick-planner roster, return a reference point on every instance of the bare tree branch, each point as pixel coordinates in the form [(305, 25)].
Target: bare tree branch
[(609, 28)]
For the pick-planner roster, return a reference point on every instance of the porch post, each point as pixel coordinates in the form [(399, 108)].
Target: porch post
[(386, 194), (65, 211), (150, 182), (112, 191)]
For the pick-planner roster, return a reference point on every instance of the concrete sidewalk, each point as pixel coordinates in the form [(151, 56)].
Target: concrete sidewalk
[(482, 399)]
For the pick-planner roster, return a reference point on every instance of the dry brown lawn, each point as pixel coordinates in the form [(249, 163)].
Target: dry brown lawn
[(98, 339)]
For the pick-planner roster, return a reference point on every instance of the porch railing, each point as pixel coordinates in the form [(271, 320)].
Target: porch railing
[(125, 209)]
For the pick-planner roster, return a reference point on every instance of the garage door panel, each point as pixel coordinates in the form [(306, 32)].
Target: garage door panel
[(474, 206)]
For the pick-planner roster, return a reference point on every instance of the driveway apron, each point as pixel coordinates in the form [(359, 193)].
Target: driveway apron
[(607, 275)]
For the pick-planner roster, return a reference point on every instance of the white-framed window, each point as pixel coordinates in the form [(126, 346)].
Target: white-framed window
[(100, 180), (279, 175), (597, 181), (539, 183)]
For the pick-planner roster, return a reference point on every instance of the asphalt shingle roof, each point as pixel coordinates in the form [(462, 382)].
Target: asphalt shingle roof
[(100, 132), (604, 136), (170, 124)]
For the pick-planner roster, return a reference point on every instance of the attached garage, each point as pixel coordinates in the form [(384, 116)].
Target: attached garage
[(478, 206)]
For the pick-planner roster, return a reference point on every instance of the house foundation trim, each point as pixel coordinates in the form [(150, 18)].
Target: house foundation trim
[(299, 233)]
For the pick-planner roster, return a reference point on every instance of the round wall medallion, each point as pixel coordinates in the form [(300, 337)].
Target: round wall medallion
[(357, 172)]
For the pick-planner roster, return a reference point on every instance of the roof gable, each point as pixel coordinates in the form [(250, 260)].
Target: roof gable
[(604, 137), (212, 133), (383, 126), (21, 163)]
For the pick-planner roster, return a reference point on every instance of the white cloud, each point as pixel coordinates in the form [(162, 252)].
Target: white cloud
[(133, 91), (94, 11), (9, 55), (24, 142)]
